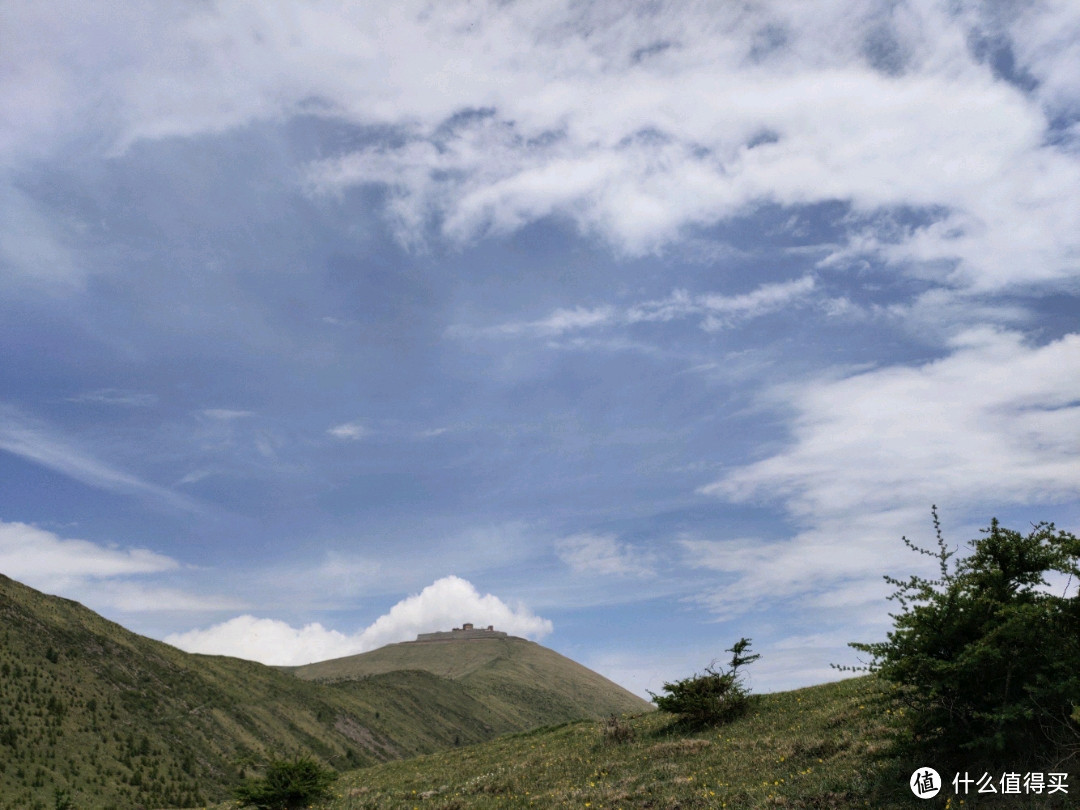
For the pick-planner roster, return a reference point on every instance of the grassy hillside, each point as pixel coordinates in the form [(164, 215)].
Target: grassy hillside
[(96, 714), (523, 682), (826, 746)]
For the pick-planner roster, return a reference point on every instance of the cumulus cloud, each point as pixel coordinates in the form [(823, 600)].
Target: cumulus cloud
[(267, 640), (447, 602)]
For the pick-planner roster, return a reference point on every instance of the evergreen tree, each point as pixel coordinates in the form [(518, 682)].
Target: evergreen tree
[(991, 656), (286, 785), (714, 696)]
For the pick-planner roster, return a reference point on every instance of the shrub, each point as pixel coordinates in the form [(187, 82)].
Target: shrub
[(615, 730), (713, 697), (286, 785), (992, 658)]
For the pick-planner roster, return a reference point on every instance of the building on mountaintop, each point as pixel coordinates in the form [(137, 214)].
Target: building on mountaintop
[(466, 631)]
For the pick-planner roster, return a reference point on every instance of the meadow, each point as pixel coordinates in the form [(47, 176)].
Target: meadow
[(826, 746)]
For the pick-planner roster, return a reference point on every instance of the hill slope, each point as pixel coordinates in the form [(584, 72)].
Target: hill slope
[(524, 682), (113, 719), (828, 746)]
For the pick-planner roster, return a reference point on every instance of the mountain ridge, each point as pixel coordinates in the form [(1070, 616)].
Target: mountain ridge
[(90, 710), (509, 672)]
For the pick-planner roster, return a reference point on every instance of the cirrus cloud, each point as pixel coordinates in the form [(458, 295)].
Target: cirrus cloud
[(994, 423)]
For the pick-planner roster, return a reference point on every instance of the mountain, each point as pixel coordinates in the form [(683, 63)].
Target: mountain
[(95, 715), (525, 684)]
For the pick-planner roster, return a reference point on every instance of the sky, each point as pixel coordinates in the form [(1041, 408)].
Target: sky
[(632, 328)]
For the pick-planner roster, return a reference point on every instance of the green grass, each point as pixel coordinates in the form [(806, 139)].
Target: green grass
[(819, 747), (828, 746), (116, 720)]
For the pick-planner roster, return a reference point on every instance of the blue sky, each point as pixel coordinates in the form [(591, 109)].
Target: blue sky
[(630, 328)]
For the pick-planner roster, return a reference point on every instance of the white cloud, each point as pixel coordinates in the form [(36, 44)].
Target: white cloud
[(993, 424), (678, 140), (349, 431), (997, 421), (715, 311), (39, 557), (831, 564), (1045, 37), (449, 602), (566, 320), (102, 577), (446, 603), (635, 123), (269, 641), (603, 555), (721, 311)]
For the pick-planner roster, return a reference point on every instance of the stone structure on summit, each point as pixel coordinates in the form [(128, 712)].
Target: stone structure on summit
[(466, 631)]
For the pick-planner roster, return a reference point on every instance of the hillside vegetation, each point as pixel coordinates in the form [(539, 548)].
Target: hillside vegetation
[(94, 716), (827, 746), (520, 680)]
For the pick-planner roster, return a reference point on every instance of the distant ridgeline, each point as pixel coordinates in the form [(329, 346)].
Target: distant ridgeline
[(466, 631)]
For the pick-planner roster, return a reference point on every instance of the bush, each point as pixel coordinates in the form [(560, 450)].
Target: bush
[(286, 785), (616, 731), (990, 656), (713, 697)]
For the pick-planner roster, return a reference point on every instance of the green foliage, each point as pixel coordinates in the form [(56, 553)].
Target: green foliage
[(287, 784), (62, 800), (713, 697), (990, 656)]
